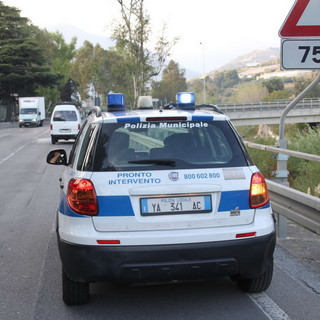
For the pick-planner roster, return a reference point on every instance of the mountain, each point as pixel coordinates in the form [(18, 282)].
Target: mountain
[(252, 59), (70, 31), (190, 74)]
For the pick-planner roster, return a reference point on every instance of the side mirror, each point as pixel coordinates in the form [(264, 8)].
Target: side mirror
[(58, 157)]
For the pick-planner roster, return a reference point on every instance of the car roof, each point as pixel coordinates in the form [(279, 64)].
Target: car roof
[(65, 107), (67, 103), (158, 114)]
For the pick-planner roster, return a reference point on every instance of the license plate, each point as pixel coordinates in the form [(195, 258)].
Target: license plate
[(65, 130), (175, 205)]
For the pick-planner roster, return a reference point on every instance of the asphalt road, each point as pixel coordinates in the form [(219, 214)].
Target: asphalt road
[(30, 269)]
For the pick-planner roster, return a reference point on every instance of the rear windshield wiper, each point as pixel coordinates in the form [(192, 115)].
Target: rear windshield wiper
[(165, 162)]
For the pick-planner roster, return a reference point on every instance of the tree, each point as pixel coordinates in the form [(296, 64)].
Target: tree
[(114, 75), (302, 82), (226, 79), (231, 78), (131, 36), (59, 56), (81, 68), (22, 63), (173, 81), (69, 92), (98, 71), (58, 53), (273, 84)]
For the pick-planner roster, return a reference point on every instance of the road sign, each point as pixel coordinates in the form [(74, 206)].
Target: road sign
[(302, 21), (300, 54)]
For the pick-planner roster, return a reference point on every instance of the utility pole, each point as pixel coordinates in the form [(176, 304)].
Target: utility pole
[(204, 73)]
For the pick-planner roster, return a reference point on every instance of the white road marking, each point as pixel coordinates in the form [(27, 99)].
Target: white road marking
[(268, 306), (22, 147)]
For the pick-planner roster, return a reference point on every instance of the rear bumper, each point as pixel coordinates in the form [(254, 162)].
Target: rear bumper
[(63, 136), (245, 257), (28, 123)]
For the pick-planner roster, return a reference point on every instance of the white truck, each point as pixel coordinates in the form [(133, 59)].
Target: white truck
[(31, 111)]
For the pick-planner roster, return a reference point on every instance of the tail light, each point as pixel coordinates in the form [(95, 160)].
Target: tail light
[(245, 235), (82, 197), (259, 195), (51, 126), (79, 126)]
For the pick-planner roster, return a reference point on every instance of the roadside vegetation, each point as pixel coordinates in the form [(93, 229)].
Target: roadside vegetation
[(304, 175)]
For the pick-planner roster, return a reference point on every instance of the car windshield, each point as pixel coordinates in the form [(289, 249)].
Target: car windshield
[(64, 115), (28, 111), (159, 145)]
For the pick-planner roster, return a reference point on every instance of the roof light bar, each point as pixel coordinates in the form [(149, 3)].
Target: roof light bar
[(116, 102), (185, 100)]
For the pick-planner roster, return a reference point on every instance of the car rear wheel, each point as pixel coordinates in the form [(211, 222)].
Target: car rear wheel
[(53, 140), (74, 293), (258, 284)]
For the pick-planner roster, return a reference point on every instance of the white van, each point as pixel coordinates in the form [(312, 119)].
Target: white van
[(65, 122)]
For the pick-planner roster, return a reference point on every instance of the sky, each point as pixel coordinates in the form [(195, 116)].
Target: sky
[(211, 32)]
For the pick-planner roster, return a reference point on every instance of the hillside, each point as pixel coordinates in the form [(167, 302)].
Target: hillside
[(253, 59), (70, 31), (259, 64)]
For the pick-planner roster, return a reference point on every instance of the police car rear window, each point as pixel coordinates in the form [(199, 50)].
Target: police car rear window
[(161, 145)]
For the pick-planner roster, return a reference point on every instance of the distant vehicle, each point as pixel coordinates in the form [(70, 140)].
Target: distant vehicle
[(161, 195), (31, 111), (65, 122)]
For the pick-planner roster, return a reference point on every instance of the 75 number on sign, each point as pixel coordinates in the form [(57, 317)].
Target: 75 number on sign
[(314, 52)]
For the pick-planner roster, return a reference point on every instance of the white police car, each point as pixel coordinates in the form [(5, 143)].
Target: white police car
[(161, 195)]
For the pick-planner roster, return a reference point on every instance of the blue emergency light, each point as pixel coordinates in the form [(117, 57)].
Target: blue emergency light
[(185, 100), (116, 102)]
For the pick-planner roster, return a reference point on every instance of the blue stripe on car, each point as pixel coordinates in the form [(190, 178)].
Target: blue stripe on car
[(202, 118), (233, 199), (129, 119), (117, 206), (66, 210)]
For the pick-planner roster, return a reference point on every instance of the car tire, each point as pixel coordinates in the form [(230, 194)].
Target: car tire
[(53, 140), (73, 292), (258, 284)]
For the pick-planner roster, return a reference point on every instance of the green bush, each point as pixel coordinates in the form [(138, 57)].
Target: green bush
[(264, 160), (304, 174)]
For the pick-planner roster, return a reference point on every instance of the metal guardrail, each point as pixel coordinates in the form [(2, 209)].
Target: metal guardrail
[(295, 205), (290, 203), (287, 152), (274, 105), (242, 114)]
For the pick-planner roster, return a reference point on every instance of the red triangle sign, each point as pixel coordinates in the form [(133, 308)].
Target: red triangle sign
[(302, 21)]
